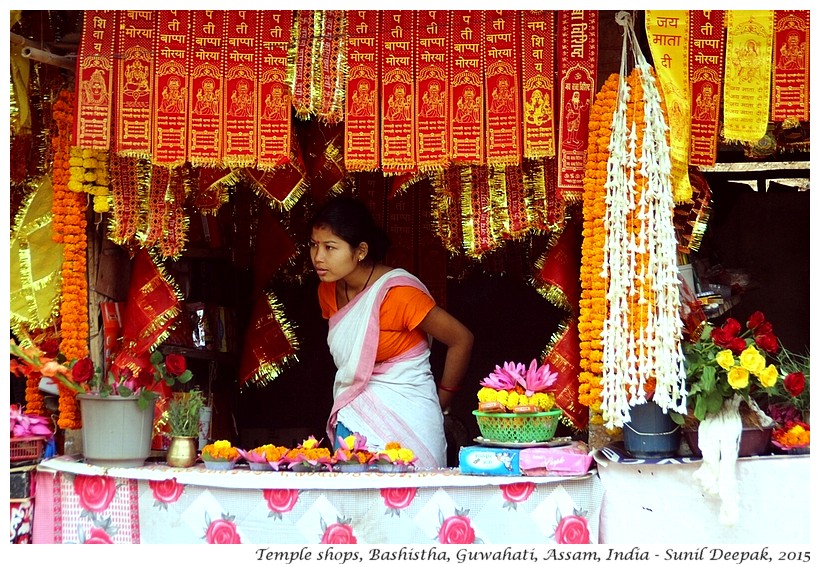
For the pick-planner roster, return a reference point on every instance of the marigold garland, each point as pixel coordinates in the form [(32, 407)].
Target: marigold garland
[(88, 173), (69, 219), (592, 305)]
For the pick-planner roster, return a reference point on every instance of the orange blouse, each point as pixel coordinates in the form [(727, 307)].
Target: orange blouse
[(401, 312)]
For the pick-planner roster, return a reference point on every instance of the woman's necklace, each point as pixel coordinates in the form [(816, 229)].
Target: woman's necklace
[(365, 284)]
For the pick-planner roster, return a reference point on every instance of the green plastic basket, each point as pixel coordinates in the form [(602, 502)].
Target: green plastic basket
[(518, 427)]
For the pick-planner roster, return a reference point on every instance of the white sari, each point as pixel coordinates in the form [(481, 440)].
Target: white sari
[(395, 400)]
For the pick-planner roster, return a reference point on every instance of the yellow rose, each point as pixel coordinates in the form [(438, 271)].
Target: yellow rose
[(752, 360), (768, 376), (738, 378), (75, 161), (725, 359)]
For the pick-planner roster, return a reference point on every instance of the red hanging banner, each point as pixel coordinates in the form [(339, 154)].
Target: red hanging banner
[(397, 91), (432, 88), (706, 47), (537, 68), (135, 77), (171, 64), (240, 88), (502, 72), (274, 93), (467, 92), (303, 63), (328, 92), (206, 85), (361, 147), (577, 66), (95, 78), (790, 80)]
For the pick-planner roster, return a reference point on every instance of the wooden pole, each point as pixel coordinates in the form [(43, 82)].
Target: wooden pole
[(48, 58)]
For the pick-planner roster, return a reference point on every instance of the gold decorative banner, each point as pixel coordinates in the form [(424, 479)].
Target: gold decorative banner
[(706, 47), (790, 84), (476, 216), (747, 78), (397, 91), (240, 89), (516, 212), (35, 261), (171, 83), (537, 68), (361, 147), (668, 35), (432, 88), (95, 79), (577, 68), (328, 65), (502, 72), (206, 83), (135, 88), (466, 89), (275, 129), (303, 63), (545, 209), (127, 173), (447, 211)]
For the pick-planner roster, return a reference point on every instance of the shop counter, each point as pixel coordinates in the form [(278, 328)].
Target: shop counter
[(157, 504), (660, 501)]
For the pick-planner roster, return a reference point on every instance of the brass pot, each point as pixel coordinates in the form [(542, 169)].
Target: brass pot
[(182, 452)]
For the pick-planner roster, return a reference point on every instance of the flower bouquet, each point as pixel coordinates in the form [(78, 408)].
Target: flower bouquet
[(309, 457), (395, 458), (220, 455), (353, 456), (265, 457), (516, 404)]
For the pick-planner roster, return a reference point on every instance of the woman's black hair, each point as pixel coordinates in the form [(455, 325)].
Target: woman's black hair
[(351, 220)]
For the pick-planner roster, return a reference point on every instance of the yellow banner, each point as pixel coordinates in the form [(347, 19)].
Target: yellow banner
[(668, 34), (748, 74)]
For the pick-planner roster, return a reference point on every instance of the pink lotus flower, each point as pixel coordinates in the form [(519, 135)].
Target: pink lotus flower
[(539, 378), (25, 425), (504, 378)]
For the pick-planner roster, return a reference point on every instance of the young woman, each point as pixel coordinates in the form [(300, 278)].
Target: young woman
[(381, 320)]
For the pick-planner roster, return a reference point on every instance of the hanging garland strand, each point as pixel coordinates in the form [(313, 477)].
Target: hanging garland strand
[(70, 228)]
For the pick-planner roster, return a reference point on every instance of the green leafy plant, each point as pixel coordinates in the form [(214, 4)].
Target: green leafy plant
[(183, 413)]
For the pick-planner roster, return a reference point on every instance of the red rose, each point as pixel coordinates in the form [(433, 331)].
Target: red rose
[(517, 491), (281, 501), (338, 533), (731, 327), (737, 345), (83, 370), (398, 498), (768, 342), (175, 364), (721, 338), (166, 491), (795, 383), (222, 531), (764, 328), (755, 320), (98, 536), (572, 529), (95, 493), (456, 530)]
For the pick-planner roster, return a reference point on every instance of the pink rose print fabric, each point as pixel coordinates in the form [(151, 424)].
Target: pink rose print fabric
[(165, 492), (457, 529), (96, 536), (516, 493), (94, 493), (396, 499), (280, 501), (572, 529), (222, 531), (338, 533)]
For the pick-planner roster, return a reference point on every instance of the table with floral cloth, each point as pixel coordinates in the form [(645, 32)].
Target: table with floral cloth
[(155, 504)]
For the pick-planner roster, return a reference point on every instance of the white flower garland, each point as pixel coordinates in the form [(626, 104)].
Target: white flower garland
[(657, 352)]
